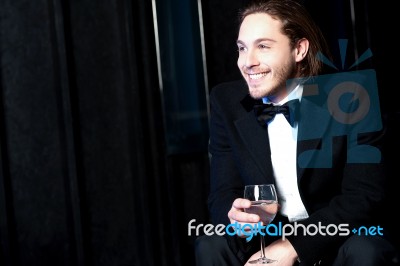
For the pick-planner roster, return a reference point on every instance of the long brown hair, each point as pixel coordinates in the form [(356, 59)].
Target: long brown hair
[(297, 24)]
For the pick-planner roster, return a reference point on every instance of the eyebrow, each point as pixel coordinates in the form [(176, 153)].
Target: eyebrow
[(257, 41)]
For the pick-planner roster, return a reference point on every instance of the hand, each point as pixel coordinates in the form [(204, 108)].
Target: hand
[(237, 213), (281, 251)]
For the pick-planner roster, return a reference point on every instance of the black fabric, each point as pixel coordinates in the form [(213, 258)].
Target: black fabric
[(215, 250), (366, 251), (83, 172), (357, 250)]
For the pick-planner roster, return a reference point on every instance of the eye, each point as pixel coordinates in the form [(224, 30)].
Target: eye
[(263, 46), (241, 49)]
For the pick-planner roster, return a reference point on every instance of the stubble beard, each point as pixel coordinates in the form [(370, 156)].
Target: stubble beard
[(275, 87), (265, 90)]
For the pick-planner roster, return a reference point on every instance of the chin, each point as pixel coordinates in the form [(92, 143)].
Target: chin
[(256, 94), (258, 91)]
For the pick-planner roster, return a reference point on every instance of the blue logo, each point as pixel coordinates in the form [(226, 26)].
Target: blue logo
[(340, 104)]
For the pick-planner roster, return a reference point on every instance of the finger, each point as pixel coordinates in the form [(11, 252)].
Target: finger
[(240, 203), (240, 216)]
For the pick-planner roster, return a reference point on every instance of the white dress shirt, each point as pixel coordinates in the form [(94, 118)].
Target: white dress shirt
[(283, 143)]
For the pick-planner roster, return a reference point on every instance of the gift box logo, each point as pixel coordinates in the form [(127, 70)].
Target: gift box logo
[(345, 104)]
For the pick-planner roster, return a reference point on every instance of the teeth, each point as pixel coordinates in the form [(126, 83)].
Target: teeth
[(257, 76)]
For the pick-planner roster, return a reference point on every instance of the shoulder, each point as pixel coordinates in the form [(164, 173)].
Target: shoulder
[(231, 99), (231, 91)]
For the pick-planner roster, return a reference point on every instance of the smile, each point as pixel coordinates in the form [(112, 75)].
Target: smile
[(257, 76)]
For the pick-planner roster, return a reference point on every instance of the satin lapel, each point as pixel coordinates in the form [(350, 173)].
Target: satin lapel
[(314, 123), (256, 139)]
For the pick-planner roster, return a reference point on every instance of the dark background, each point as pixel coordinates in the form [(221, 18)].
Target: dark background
[(104, 121)]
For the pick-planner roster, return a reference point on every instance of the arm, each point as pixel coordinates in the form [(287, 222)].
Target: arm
[(225, 181), (353, 189)]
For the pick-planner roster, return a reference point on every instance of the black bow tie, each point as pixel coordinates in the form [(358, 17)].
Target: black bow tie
[(266, 112)]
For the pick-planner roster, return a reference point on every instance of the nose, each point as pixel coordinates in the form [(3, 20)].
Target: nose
[(251, 58)]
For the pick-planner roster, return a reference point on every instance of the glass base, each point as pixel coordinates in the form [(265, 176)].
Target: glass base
[(264, 260)]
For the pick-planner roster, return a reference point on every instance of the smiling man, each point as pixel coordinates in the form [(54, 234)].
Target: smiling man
[(260, 128), (266, 63)]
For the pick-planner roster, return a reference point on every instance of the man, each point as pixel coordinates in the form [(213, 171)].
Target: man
[(325, 164)]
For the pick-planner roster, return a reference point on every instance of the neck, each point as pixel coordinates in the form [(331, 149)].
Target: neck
[(284, 91)]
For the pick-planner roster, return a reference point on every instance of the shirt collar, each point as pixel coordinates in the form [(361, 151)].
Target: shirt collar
[(294, 94)]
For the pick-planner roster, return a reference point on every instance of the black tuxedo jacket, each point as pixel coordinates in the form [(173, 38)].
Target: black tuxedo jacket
[(340, 175)]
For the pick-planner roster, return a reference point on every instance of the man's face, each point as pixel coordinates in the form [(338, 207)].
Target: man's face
[(266, 59)]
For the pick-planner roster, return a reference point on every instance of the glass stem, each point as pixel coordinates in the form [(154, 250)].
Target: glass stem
[(262, 246)]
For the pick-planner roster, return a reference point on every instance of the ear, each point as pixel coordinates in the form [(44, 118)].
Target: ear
[(301, 49)]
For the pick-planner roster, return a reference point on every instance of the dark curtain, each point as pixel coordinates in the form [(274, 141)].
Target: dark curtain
[(83, 168)]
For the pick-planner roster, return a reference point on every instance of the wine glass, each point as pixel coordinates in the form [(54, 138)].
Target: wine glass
[(264, 203)]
